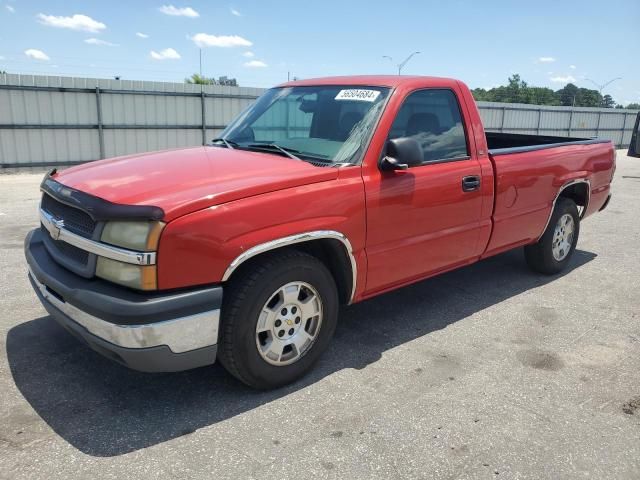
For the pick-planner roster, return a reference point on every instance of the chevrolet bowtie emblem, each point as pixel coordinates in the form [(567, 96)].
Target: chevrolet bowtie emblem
[(57, 226)]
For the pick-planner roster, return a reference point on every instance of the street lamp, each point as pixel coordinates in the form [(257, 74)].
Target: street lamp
[(402, 64), (602, 85)]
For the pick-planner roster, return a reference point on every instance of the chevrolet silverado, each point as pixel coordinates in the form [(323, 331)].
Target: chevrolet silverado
[(322, 192)]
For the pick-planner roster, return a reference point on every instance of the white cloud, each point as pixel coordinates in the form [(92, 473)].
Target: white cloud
[(166, 54), (179, 12), (235, 12), (249, 54), (546, 59), (36, 54), (97, 41), (205, 40), (75, 22), (1, 57), (141, 35), (10, 8), (567, 79), (572, 67), (255, 64)]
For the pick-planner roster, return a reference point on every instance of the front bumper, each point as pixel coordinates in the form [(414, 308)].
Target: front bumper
[(151, 332)]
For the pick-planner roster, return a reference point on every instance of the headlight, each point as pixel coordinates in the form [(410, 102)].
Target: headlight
[(140, 277), (136, 235), (142, 236)]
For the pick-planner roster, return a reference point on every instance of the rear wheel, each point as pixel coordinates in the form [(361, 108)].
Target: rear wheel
[(278, 317), (553, 251)]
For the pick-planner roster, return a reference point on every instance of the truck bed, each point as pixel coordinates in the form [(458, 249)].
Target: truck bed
[(529, 173), (504, 143)]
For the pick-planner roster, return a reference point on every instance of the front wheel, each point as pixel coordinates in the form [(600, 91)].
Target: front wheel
[(552, 252), (278, 317)]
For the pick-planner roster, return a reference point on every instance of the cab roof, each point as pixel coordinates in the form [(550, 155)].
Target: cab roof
[(373, 81)]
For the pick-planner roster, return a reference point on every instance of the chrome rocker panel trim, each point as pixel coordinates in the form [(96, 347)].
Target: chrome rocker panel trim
[(292, 240), (58, 232), (180, 334), (553, 205)]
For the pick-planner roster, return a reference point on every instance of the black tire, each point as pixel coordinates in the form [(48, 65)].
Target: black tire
[(539, 255), (244, 299)]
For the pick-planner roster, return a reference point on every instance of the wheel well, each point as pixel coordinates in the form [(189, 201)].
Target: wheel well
[(331, 252), (336, 258), (578, 192)]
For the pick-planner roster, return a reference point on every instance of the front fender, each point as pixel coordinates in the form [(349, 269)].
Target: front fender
[(199, 248)]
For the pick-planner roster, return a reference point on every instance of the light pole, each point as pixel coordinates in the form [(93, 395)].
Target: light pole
[(602, 85), (402, 64)]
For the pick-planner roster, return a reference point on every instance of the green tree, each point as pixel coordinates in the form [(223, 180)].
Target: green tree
[(541, 96), (516, 91), (633, 106), (607, 101), (519, 91), (568, 94), (197, 79), (230, 82), (200, 80), (480, 95), (588, 98)]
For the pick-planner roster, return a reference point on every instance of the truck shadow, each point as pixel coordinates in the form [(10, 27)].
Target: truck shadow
[(105, 410)]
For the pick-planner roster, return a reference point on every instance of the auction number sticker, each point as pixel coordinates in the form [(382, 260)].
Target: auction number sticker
[(359, 94)]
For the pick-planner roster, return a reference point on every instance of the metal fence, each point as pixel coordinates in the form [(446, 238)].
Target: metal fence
[(63, 120), (609, 123)]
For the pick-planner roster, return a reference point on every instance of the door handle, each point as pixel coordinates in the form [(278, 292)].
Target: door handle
[(471, 183)]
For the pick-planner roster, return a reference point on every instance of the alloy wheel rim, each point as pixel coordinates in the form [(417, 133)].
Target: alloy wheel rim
[(563, 237), (289, 323)]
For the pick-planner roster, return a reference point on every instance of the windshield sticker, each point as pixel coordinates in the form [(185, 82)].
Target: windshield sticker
[(359, 94)]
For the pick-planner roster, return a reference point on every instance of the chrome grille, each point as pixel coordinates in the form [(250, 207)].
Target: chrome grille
[(71, 253), (75, 220)]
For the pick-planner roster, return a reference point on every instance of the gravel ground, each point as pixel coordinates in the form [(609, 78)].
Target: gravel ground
[(487, 372)]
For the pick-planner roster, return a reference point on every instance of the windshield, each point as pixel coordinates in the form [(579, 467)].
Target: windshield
[(322, 124)]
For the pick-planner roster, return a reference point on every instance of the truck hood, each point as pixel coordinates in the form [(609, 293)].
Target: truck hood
[(185, 180)]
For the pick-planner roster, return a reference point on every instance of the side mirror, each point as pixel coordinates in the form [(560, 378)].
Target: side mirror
[(402, 153)]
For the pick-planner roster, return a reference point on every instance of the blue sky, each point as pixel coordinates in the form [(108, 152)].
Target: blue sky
[(259, 42)]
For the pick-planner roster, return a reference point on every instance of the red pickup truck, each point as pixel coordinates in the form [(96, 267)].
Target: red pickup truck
[(322, 192)]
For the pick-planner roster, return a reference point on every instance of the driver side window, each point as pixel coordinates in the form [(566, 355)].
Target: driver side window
[(432, 117)]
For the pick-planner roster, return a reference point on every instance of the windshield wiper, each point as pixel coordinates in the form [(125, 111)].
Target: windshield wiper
[(227, 143), (289, 152)]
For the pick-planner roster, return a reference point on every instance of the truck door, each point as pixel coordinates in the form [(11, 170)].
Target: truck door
[(634, 146), (426, 218)]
